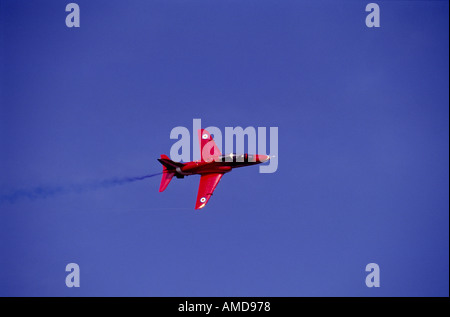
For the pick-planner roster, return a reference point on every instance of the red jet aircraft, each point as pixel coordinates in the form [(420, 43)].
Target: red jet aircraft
[(210, 167)]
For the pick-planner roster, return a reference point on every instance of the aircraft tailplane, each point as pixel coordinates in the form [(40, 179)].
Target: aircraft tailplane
[(169, 168)]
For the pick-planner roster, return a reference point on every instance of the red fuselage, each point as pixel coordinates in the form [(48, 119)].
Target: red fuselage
[(223, 164)]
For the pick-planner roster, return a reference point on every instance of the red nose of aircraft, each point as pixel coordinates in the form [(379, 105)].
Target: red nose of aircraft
[(262, 158)]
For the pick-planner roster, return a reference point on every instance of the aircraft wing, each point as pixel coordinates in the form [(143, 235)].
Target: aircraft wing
[(208, 183), (208, 148)]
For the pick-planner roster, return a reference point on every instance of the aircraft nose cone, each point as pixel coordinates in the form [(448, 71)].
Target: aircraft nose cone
[(263, 158)]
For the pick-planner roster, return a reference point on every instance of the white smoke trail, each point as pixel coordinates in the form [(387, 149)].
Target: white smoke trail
[(44, 191)]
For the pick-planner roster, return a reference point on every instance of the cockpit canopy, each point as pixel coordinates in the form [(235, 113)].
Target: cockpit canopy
[(233, 157)]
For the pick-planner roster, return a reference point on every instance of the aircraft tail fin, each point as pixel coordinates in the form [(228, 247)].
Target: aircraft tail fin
[(169, 168)]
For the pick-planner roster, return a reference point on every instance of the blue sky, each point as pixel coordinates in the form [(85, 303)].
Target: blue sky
[(363, 147)]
